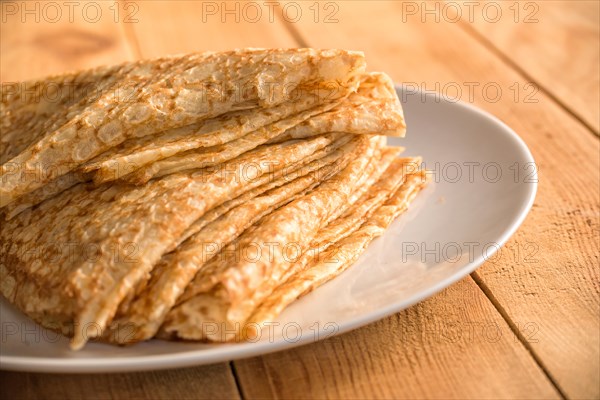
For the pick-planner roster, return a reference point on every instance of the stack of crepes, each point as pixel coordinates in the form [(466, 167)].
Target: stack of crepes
[(194, 197)]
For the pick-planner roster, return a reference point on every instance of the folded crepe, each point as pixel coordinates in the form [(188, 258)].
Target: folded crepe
[(294, 224), (141, 319), (211, 134), (338, 258), (336, 153), (149, 198), (207, 157), (108, 169), (149, 97), (30, 108), (126, 227), (374, 109), (209, 312)]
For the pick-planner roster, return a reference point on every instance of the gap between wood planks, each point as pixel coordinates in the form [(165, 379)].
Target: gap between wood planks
[(513, 65), (236, 379), (295, 33), (130, 37), (488, 293)]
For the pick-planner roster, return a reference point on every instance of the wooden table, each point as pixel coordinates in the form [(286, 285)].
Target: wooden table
[(541, 292)]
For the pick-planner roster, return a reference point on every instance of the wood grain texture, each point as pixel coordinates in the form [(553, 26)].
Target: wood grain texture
[(557, 44), (208, 382), (454, 345), (558, 294), (204, 26), (38, 40)]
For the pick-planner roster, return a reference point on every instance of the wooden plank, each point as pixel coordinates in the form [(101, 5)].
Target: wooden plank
[(186, 26), (454, 345), (40, 39), (208, 382), (556, 291), (556, 43)]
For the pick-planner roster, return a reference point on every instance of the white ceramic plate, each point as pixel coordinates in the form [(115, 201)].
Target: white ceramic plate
[(484, 183)]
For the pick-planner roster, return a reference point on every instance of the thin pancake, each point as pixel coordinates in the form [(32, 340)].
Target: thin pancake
[(336, 230), (29, 109), (337, 259), (139, 152), (333, 153), (113, 220), (325, 202), (162, 97), (294, 224), (175, 271), (57, 186), (373, 109), (206, 315), (207, 157)]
